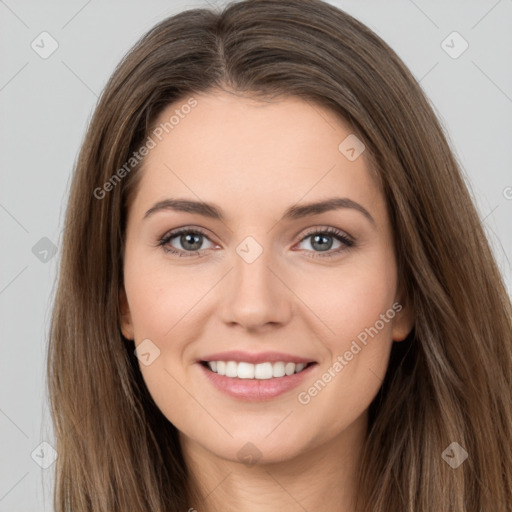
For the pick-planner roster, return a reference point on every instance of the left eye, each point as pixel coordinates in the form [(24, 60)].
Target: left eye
[(323, 239)]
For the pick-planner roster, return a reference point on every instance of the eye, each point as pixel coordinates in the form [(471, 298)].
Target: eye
[(190, 239), (322, 239)]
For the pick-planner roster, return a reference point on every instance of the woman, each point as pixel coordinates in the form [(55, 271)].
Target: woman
[(275, 292)]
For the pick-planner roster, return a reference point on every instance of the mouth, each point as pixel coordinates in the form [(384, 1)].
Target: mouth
[(256, 382), (260, 371)]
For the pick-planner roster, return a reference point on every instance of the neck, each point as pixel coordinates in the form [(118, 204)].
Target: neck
[(323, 477)]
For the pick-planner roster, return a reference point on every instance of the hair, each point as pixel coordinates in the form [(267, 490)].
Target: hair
[(450, 380)]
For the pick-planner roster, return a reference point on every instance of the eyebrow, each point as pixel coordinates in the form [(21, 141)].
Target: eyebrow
[(212, 211)]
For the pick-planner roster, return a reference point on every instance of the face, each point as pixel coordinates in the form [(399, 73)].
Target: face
[(261, 274)]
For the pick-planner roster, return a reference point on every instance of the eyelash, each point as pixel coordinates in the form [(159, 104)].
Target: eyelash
[(336, 233)]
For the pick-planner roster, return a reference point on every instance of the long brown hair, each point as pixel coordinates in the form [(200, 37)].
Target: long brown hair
[(449, 381)]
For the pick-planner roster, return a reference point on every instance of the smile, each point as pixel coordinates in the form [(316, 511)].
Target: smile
[(255, 382), (261, 371)]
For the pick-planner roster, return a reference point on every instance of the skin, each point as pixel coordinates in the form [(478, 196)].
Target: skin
[(254, 160)]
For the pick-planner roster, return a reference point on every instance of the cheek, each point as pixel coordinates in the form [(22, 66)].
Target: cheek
[(354, 297), (357, 305), (160, 296)]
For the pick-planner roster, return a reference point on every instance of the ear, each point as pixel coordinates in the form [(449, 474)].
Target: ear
[(404, 318), (126, 324)]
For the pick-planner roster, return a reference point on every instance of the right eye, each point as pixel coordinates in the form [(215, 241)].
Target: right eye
[(190, 239)]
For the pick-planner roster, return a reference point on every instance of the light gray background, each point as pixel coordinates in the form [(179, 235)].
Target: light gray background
[(46, 104)]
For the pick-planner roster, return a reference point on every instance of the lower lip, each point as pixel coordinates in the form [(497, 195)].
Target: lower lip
[(256, 390)]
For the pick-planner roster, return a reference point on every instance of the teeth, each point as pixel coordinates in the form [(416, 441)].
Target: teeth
[(255, 371)]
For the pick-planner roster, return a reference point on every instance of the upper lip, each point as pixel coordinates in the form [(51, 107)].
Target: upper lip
[(255, 358)]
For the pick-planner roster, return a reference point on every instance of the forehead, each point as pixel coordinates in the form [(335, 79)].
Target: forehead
[(237, 150)]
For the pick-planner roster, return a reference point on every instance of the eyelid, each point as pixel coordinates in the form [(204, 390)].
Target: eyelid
[(326, 229), (185, 229)]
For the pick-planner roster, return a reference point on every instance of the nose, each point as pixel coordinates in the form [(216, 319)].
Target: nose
[(255, 295)]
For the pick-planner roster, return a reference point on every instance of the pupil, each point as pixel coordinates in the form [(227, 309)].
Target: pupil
[(185, 239), (322, 240)]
